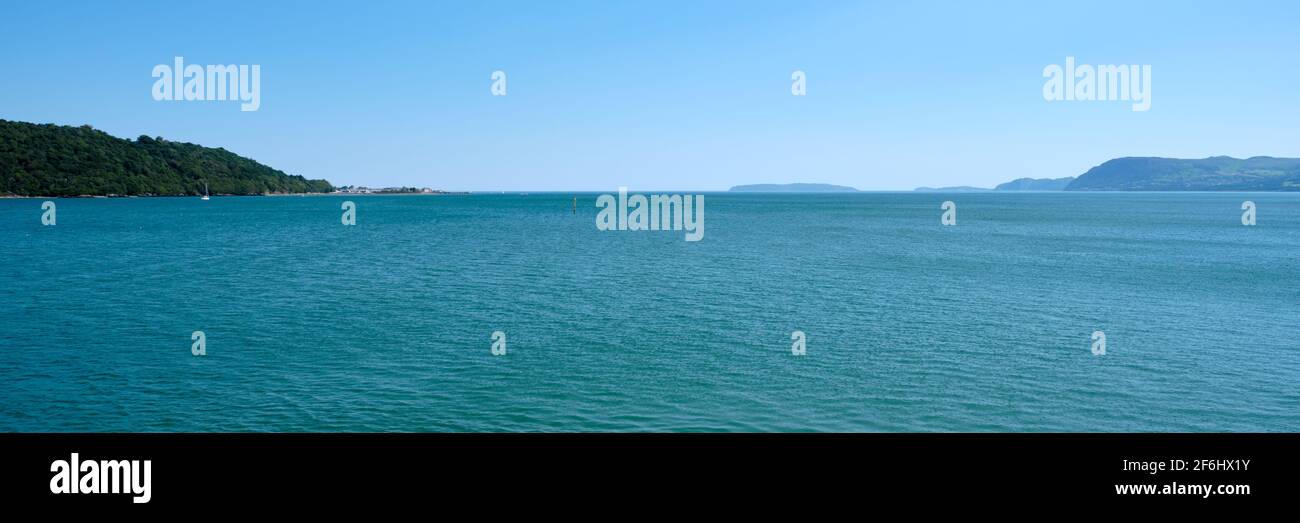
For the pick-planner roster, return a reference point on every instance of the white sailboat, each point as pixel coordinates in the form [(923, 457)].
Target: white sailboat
[(205, 192)]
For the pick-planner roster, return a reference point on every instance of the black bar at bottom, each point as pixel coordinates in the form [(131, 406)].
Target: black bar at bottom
[(484, 470)]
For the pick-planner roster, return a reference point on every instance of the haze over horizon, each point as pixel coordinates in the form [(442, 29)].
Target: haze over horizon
[(670, 95)]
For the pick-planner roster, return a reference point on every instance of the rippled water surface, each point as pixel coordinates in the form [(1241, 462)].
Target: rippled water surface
[(912, 326)]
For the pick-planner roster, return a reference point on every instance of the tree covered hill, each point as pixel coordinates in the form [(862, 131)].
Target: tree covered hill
[(56, 160), (1219, 173)]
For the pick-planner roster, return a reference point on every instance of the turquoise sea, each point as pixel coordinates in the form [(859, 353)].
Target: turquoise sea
[(911, 326)]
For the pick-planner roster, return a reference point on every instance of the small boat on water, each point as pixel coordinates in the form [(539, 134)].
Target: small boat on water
[(205, 192)]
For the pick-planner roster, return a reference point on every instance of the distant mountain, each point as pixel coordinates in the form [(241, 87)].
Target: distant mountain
[(1035, 184), (1219, 173), (792, 187), (960, 188), (56, 160)]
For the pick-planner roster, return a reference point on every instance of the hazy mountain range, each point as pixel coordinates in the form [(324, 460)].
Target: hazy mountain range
[(1219, 173), (792, 187)]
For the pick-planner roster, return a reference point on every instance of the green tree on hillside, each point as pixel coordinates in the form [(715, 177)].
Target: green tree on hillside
[(54, 160)]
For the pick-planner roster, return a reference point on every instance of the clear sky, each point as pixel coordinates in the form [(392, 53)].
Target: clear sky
[(691, 95)]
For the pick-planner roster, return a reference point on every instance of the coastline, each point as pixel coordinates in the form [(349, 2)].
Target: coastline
[(46, 197)]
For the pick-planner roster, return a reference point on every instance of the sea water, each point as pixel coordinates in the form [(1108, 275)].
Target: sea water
[(909, 325)]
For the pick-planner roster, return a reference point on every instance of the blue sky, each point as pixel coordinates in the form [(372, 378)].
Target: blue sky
[(667, 95)]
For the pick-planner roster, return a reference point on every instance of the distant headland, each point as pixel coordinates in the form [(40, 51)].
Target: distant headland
[(1019, 184), (958, 188), (792, 187), (1218, 173)]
